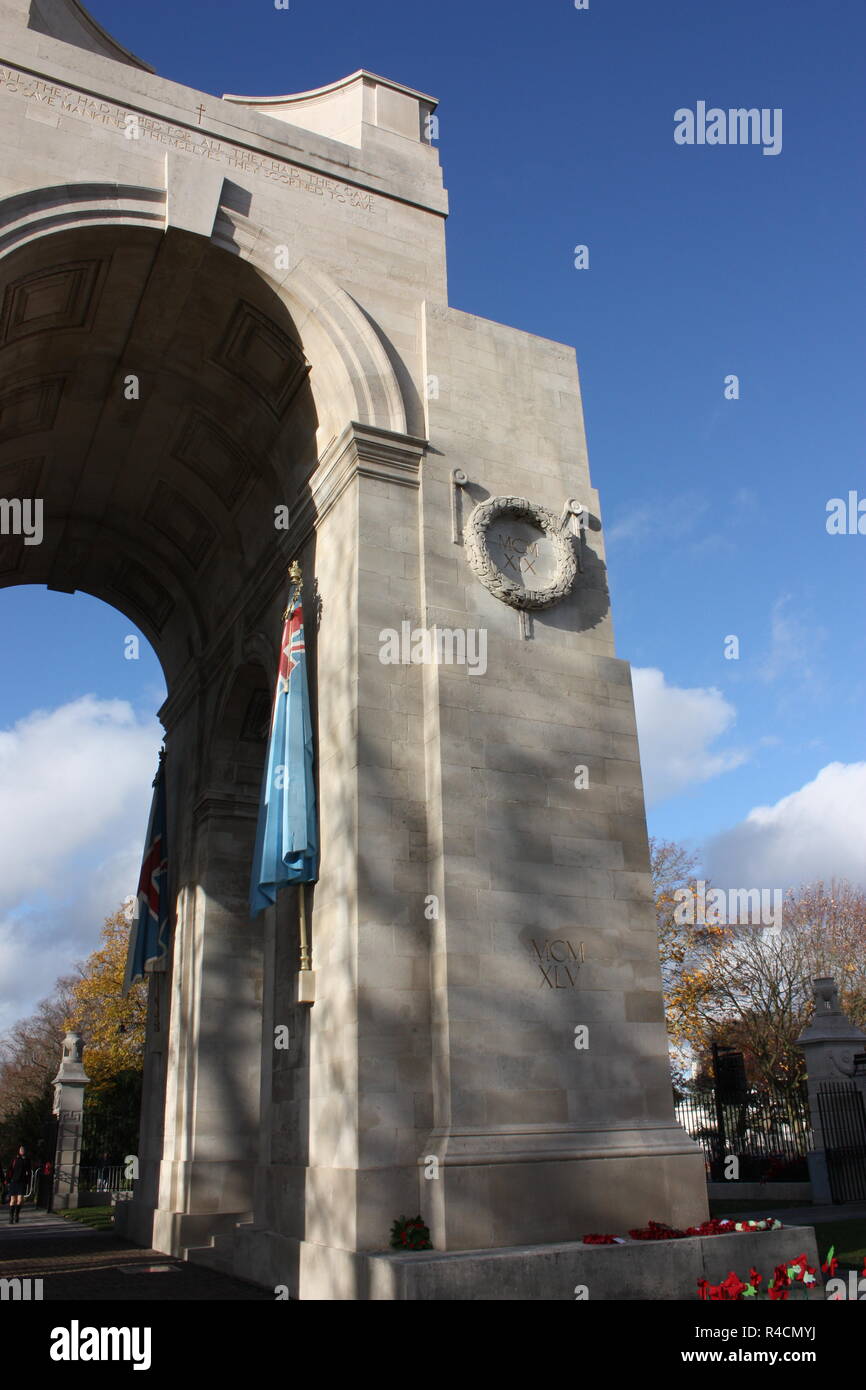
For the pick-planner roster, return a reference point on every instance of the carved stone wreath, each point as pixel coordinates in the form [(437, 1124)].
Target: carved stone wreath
[(492, 577)]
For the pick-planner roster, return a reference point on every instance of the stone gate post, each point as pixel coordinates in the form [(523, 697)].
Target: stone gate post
[(69, 1085), (830, 1045)]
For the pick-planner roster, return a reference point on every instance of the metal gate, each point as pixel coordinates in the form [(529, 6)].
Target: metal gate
[(843, 1122), (108, 1137)]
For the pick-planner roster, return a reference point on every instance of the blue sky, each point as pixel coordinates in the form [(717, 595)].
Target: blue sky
[(556, 129)]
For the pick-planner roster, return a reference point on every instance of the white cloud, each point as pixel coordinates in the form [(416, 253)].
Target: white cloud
[(816, 832), (676, 729), (74, 799)]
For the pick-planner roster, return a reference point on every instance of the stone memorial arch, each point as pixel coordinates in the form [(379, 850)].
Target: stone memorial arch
[(225, 344)]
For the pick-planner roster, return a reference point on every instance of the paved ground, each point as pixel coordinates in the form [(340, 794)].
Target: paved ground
[(76, 1262)]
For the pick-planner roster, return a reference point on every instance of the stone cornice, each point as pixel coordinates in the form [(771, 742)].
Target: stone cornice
[(471, 1145), (361, 450)]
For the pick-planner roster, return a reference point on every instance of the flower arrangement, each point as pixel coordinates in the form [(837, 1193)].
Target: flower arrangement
[(716, 1226), (410, 1233), (731, 1289), (830, 1267), (796, 1277), (784, 1281), (656, 1230)]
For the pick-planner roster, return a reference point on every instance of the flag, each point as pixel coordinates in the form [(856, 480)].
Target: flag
[(148, 940), (287, 841)]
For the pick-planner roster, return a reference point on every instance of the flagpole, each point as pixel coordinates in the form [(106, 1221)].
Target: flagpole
[(306, 959)]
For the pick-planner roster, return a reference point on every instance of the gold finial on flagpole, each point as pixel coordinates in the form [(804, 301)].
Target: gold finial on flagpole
[(296, 579)]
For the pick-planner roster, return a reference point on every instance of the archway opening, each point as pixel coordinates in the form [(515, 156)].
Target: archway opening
[(80, 739), (157, 427)]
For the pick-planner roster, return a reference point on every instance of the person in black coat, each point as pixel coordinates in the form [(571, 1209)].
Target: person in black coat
[(18, 1178)]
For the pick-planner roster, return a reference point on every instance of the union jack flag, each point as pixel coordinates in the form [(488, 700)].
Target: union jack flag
[(291, 649)]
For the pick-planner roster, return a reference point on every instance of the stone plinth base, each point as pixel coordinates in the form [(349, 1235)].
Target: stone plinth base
[(638, 1270), (134, 1221), (65, 1201), (625, 1179), (171, 1232)]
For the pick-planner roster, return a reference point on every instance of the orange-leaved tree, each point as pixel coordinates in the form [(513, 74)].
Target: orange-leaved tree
[(112, 1024), (753, 988), (686, 949)]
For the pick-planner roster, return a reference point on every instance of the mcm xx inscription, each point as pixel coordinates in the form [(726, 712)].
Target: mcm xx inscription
[(66, 101)]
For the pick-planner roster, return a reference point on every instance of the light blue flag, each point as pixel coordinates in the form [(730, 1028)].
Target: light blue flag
[(287, 842)]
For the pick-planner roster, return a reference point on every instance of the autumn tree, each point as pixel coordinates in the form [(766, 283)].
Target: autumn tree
[(112, 1024), (751, 994), (752, 989), (30, 1049), (90, 1002), (683, 946), (832, 925), (29, 1058)]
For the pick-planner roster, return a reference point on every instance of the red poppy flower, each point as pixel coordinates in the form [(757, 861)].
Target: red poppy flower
[(733, 1286), (716, 1226), (656, 1230)]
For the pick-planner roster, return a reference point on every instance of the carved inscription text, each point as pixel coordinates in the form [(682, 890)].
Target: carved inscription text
[(68, 102), (558, 963), (520, 555)]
